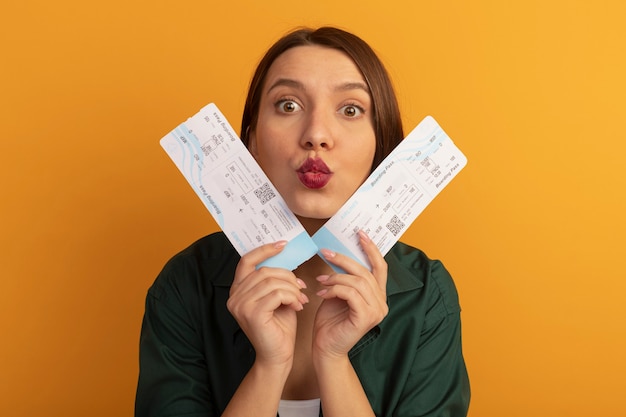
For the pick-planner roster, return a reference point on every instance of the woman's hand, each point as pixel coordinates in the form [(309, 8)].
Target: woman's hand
[(353, 303), (264, 302)]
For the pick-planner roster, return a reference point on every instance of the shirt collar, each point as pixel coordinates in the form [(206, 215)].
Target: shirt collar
[(399, 277)]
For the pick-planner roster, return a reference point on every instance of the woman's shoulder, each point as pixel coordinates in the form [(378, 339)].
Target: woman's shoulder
[(213, 246), (410, 268), (211, 260)]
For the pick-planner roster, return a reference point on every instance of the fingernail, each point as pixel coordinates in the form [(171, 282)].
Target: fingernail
[(322, 292), (280, 244), (301, 283), (304, 298), (322, 278), (364, 235), (328, 253)]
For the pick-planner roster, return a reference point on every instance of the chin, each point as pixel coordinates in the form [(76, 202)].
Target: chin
[(313, 215), (314, 211), (319, 204)]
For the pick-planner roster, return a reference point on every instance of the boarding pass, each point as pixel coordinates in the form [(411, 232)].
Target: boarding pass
[(251, 212)]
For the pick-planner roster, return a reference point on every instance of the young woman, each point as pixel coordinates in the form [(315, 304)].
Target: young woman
[(221, 337)]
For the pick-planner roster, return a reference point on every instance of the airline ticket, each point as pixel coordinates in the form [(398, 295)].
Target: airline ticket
[(396, 192), (234, 188), (251, 212)]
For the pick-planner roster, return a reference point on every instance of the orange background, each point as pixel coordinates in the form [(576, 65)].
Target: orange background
[(533, 229)]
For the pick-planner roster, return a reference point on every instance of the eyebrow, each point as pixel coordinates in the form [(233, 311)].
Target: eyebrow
[(288, 82), (353, 86)]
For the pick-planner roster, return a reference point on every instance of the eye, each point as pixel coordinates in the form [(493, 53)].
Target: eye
[(287, 106), (352, 110)]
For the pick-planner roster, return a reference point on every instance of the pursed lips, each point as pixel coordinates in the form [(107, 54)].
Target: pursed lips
[(314, 173)]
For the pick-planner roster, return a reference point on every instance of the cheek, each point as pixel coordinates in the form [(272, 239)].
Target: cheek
[(264, 159), (361, 166), (368, 155), (270, 156)]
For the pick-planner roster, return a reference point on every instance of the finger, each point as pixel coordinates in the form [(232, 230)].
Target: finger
[(378, 273), (366, 304), (265, 297), (248, 262), (358, 275), (261, 281), (256, 309), (282, 297), (350, 295), (377, 261), (270, 286), (363, 312), (346, 263), (365, 287)]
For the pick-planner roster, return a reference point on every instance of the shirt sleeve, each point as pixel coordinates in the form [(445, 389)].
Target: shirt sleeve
[(173, 370), (438, 384)]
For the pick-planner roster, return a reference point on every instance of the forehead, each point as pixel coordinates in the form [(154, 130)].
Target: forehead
[(314, 62)]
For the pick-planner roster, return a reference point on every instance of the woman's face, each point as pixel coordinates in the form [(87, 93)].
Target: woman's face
[(314, 137)]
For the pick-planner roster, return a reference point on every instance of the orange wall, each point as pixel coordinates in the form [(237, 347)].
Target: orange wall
[(533, 229)]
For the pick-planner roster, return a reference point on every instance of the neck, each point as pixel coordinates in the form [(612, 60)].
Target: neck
[(315, 266), (311, 225)]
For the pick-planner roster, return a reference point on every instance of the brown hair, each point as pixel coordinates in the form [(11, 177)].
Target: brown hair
[(386, 112)]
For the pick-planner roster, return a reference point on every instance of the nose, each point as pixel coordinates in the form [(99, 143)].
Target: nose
[(317, 133)]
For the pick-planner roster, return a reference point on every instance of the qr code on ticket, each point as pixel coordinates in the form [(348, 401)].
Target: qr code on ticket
[(395, 225), (264, 193)]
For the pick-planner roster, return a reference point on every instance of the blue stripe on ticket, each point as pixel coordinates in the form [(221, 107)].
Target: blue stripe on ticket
[(298, 250), (324, 239)]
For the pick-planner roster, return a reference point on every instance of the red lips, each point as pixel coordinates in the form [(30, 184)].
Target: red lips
[(314, 173)]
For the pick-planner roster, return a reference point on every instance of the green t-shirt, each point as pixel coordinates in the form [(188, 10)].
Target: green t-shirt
[(193, 355)]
